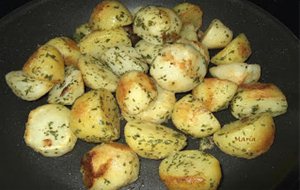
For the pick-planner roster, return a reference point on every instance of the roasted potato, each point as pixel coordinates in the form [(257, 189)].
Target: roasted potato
[(157, 24), (97, 75), (193, 118), (188, 32), (257, 98), (97, 42), (189, 14), (71, 88), (147, 50), (121, 59), (239, 73), (153, 141), (68, 49), (95, 117), (27, 87), (215, 94), (135, 92), (46, 63), (110, 14), (190, 169), (47, 130), (248, 137), (237, 51), (109, 167), (178, 68), (217, 35), (81, 31), (158, 111)]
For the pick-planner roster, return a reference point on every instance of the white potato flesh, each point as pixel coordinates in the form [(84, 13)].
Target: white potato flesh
[(193, 118), (215, 94), (69, 90), (217, 35), (47, 130), (153, 141), (257, 98), (110, 14), (156, 24), (121, 59), (188, 32), (147, 50), (109, 166), (27, 87), (178, 68), (239, 73), (190, 169), (96, 75), (97, 42)]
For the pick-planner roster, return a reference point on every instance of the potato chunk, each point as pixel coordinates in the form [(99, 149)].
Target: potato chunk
[(178, 68), (215, 94), (47, 130), (237, 51), (147, 50), (95, 117), (81, 31), (190, 169), (27, 87), (248, 137), (193, 118), (109, 167), (46, 63), (253, 99), (110, 14), (151, 140)]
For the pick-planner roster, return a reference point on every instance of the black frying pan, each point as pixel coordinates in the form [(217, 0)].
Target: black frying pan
[(274, 48)]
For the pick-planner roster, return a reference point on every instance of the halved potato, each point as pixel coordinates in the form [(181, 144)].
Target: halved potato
[(95, 117), (46, 63), (147, 50), (97, 42), (81, 31), (69, 90), (96, 75), (190, 169), (178, 68), (257, 98), (47, 130), (217, 35), (215, 94), (159, 111), (151, 140), (193, 118), (156, 24), (110, 14), (239, 73), (121, 59), (135, 92), (117, 163), (237, 51), (27, 87), (248, 137), (189, 14)]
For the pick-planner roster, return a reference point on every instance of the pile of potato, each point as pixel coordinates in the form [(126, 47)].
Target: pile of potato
[(105, 74)]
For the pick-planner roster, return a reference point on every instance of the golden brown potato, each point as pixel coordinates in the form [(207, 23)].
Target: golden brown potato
[(153, 141), (237, 51), (248, 137), (193, 118), (81, 31), (257, 98), (189, 14), (190, 169), (215, 94), (135, 91), (110, 14), (109, 167), (46, 63), (95, 117), (68, 49)]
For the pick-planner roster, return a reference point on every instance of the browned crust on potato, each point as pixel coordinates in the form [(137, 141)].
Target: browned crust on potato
[(184, 182)]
